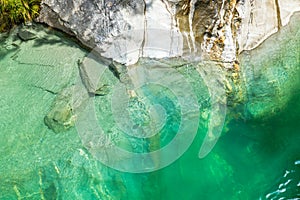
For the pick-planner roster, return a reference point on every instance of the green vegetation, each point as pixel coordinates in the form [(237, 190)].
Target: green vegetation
[(17, 11)]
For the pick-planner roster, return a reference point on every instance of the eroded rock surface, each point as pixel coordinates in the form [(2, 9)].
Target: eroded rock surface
[(128, 30)]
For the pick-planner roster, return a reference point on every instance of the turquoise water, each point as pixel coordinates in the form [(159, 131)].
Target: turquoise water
[(257, 156)]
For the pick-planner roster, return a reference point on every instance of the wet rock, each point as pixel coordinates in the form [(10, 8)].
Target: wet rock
[(26, 35), (102, 90), (91, 70), (90, 74)]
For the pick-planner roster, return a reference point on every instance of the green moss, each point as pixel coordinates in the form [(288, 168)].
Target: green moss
[(14, 12)]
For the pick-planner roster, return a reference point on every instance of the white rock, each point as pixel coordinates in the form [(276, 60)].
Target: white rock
[(129, 30)]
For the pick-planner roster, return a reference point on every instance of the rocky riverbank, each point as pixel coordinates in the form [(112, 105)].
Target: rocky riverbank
[(219, 30), (39, 67)]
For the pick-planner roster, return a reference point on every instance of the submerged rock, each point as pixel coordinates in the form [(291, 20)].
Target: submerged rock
[(89, 74), (26, 35), (60, 118), (270, 72), (68, 104)]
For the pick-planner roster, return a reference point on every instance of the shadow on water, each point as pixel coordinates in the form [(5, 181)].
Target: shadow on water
[(38, 42), (10, 42), (50, 36)]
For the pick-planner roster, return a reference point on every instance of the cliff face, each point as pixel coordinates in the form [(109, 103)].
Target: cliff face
[(263, 18), (218, 30)]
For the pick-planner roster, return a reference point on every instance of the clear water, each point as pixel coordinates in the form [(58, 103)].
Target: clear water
[(254, 159)]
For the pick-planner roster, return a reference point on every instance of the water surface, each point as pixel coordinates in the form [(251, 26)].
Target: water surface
[(255, 158)]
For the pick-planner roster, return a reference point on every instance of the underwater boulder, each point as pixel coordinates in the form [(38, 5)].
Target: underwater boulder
[(271, 72), (25, 35), (60, 118)]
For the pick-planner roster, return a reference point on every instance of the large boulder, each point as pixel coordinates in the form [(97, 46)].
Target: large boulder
[(127, 30), (60, 117)]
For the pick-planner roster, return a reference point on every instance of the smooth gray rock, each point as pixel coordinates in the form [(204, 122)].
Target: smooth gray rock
[(26, 35)]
